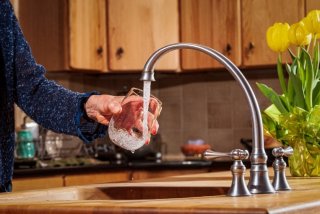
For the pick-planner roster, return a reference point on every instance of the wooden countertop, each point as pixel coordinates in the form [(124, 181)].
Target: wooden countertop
[(208, 191)]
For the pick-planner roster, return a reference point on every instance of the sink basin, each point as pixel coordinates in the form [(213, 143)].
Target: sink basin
[(116, 193), (148, 192)]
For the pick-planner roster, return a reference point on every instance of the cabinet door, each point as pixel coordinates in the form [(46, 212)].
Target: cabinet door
[(32, 183), (88, 34), (43, 23), (65, 34), (257, 16), (312, 5), (137, 28), (213, 23)]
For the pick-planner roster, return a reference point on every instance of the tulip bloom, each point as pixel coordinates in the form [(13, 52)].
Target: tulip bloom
[(277, 37), (299, 35), (312, 22)]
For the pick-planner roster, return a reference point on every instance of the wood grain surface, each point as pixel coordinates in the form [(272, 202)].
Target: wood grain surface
[(88, 33)]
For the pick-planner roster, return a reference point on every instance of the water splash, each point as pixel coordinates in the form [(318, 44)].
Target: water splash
[(146, 100), (123, 139)]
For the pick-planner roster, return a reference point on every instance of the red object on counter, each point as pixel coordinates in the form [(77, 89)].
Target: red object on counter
[(194, 149)]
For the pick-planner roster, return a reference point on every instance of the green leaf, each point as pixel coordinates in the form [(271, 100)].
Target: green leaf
[(309, 78), (316, 92), (281, 76), (285, 102), (317, 100), (269, 125), (272, 96), (273, 113), (300, 72), (316, 60), (290, 90), (298, 88)]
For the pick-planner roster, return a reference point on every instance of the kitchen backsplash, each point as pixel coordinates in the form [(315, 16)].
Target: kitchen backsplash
[(207, 105)]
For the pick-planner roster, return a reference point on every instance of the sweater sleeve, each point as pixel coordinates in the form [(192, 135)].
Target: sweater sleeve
[(49, 104)]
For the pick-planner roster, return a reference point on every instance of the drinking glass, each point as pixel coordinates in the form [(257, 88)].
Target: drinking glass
[(128, 129)]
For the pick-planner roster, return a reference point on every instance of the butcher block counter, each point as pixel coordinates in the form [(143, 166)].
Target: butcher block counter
[(198, 193)]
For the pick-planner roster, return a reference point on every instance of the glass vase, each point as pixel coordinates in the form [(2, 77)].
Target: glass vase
[(305, 161)]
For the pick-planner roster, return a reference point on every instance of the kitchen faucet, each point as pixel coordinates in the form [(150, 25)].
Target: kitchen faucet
[(259, 180)]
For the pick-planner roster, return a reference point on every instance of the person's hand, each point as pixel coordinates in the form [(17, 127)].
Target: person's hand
[(131, 116), (101, 108)]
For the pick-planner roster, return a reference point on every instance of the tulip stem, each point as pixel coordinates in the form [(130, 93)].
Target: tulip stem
[(280, 75)]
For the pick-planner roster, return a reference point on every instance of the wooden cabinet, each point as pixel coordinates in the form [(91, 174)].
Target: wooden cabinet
[(312, 5), (120, 35), (71, 178), (65, 34), (257, 16), (213, 23), (41, 22), (87, 35), (72, 34), (43, 182), (137, 28)]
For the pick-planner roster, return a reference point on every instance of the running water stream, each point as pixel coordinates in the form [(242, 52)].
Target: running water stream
[(146, 100), (133, 140)]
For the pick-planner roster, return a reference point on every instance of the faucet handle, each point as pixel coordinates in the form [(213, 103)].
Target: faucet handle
[(238, 186), (235, 154), (280, 152), (279, 166)]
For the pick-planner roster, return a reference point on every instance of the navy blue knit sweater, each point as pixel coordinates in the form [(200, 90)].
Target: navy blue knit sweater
[(22, 81)]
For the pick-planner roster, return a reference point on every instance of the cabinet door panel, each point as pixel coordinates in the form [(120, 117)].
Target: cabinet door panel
[(214, 23), (88, 48), (43, 23), (257, 16), (137, 28), (21, 184), (312, 5)]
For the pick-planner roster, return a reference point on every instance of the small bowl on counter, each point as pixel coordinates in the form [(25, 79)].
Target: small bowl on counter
[(194, 148)]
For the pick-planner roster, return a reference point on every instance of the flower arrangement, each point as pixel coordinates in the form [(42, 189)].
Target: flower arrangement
[(293, 118)]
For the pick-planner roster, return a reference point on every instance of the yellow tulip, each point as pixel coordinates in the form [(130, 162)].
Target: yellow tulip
[(299, 35), (277, 37), (312, 21)]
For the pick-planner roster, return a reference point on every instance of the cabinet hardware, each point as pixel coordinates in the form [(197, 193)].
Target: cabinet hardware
[(99, 50), (251, 46), (119, 53), (249, 49), (228, 49)]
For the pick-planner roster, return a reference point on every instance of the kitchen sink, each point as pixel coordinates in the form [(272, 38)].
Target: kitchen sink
[(115, 193), (149, 192)]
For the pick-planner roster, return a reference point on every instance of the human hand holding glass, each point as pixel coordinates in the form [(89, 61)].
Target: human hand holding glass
[(126, 129)]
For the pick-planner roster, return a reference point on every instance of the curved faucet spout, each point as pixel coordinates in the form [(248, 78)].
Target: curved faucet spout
[(259, 180)]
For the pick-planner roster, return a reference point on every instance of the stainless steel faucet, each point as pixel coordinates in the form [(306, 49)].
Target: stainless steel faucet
[(259, 180), (238, 186)]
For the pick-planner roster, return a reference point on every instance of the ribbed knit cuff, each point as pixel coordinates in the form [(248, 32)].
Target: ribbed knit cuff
[(88, 129)]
